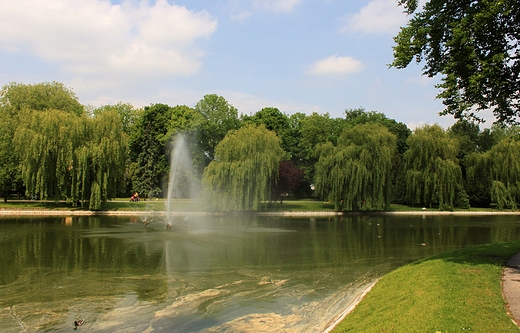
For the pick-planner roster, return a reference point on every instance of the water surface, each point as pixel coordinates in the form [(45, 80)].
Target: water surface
[(211, 274)]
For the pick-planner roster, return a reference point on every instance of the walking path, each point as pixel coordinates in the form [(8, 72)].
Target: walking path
[(511, 287)]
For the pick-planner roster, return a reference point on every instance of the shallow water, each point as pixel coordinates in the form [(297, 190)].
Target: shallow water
[(211, 274)]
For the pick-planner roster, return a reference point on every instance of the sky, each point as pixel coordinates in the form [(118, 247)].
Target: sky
[(323, 56)]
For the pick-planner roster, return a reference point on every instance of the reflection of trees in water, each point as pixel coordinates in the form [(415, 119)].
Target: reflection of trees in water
[(93, 261)]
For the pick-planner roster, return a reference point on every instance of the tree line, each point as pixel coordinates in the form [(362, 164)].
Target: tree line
[(53, 147)]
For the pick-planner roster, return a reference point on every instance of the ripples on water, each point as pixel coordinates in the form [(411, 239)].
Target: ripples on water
[(211, 274)]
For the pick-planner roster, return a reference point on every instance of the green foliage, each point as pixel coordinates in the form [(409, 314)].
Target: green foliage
[(15, 99), (355, 117), (274, 120), (313, 130), (432, 169), (126, 112), (474, 45), (246, 163), (63, 155), (148, 142), (356, 174), (41, 97), (219, 118), (499, 170)]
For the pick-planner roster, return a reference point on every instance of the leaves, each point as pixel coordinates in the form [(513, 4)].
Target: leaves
[(432, 169), (246, 162), (474, 46), (356, 174)]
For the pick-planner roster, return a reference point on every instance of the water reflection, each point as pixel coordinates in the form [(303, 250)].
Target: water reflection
[(211, 274)]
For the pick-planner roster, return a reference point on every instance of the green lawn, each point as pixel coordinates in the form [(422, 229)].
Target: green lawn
[(124, 204), (452, 292)]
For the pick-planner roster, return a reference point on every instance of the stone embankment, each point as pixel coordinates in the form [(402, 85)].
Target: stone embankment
[(51, 212)]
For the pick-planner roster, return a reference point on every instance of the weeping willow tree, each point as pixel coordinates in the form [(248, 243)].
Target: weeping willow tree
[(432, 169), (356, 174), (46, 142), (246, 162), (69, 156), (499, 168), (100, 160)]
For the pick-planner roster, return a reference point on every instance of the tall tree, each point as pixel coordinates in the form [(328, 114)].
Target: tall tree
[(246, 162), (66, 156), (101, 160), (15, 100), (126, 112), (474, 46), (356, 173), (274, 120), (358, 116), (148, 142), (432, 169), (219, 118), (498, 171), (40, 96), (313, 130)]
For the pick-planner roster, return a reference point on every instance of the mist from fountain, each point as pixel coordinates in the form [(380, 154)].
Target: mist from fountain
[(181, 182)]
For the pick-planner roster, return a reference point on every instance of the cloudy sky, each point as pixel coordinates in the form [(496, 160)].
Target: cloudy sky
[(296, 55)]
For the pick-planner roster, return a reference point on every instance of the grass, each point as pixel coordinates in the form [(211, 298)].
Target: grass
[(123, 204), (452, 292)]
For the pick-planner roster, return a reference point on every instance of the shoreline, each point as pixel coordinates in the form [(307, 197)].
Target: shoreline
[(350, 307), (43, 212), (335, 320)]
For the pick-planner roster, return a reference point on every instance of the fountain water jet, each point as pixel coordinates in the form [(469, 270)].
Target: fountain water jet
[(182, 182)]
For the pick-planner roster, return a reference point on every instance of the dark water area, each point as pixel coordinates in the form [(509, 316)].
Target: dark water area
[(209, 273)]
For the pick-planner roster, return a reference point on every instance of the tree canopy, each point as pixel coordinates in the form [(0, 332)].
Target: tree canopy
[(356, 173), (499, 171), (148, 142), (40, 96), (246, 163), (432, 169), (219, 118), (474, 46)]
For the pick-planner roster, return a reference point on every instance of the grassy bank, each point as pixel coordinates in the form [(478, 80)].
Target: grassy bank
[(452, 292), (124, 204)]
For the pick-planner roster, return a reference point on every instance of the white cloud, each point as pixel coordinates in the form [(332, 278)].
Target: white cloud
[(377, 17), (277, 5), (97, 38), (335, 65)]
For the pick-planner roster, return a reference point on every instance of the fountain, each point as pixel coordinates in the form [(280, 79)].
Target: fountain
[(181, 182)]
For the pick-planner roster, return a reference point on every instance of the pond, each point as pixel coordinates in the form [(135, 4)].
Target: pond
[(211, 273)]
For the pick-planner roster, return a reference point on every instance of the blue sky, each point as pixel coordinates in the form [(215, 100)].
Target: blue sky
[(297, 55)]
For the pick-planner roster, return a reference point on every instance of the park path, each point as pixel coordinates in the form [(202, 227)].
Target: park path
[(511, 287)]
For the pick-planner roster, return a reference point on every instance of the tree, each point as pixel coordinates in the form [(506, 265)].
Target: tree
[(313, 130), (499, 171), (148, 142), (432, 169), (246, 163), (355, 117), (274, 120), (16, 99), (356, 173), (126, 112), (40, 96), (289, 181), (219, 118), (474, 45), (10, 177), (101, 160), (66, 156)]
